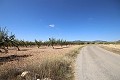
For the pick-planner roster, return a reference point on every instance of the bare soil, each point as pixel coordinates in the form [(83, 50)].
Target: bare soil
[(112, 47), (32, 56)]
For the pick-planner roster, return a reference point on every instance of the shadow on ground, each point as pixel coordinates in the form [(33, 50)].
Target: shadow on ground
[(24, 49), (58, 48), (12, 58)]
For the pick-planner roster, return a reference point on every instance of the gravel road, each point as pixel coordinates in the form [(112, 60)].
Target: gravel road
[(95, 63)]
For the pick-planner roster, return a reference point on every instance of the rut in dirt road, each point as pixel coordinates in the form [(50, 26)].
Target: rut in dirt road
[(94, 63)]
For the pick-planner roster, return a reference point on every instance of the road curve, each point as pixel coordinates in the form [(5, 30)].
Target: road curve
[(95, 63)]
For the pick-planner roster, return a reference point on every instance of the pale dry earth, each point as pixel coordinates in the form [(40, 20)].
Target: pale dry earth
[(95, 63), (116, 46), (111, 47), (35, 57)]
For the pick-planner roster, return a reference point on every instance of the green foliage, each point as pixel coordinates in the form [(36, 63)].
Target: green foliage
[(38, 43), (52, 42), (6, 39)]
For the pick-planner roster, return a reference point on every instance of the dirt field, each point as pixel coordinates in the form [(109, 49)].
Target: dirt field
[(31, 57), (112, 47)]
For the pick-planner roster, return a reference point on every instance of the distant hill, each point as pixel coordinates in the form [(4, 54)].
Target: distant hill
[(118, 41)]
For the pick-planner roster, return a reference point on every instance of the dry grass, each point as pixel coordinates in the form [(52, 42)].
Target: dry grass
[(117, 46), (112, 47), (47, 62)]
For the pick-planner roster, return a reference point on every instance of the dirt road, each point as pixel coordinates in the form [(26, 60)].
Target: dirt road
[(94, 63)]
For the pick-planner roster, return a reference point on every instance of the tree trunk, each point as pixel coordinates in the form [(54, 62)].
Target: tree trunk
[(18, 48), (7, 47), (38, 46), (52, 46), (61, 45)]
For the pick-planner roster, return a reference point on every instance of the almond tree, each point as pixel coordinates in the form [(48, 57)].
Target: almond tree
[(38, 43), (59, 42), (24, 43), (52, 42), (6, 40), (3, 38), (15, 42)]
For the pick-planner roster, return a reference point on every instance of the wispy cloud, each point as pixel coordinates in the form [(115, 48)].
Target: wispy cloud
[(52, 25)]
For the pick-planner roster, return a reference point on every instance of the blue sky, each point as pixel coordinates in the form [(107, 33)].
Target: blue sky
[(66, 19)]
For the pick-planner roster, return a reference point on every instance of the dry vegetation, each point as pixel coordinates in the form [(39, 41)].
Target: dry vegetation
[(112, 47), (55, 64)]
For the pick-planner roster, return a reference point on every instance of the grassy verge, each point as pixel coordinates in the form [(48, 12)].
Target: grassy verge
[(59, 68), (115, 50)]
